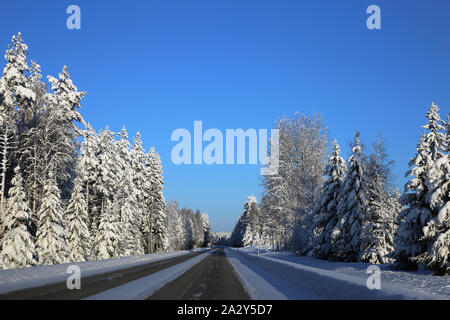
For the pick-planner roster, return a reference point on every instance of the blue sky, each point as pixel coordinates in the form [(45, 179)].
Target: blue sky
[(156, 66)]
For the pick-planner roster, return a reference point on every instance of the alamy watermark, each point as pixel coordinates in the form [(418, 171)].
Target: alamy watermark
[(216, 152), (74, 280), (74, 20), (374, 20), (374, 280)]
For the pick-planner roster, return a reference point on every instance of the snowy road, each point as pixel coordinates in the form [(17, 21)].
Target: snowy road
[(211, 279), (97, 283), (219, 274), (274, 275)]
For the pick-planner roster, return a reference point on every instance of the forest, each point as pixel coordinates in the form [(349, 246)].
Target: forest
[(324, 206), (69, 193)]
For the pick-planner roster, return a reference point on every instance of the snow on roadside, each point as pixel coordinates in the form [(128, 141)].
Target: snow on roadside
[(254, 284), (26, 278), (308, 278), (144, 287)]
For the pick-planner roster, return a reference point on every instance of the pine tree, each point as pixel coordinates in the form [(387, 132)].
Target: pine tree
[(14, 95), (13, 83), (245, 232), (174, 226), (346, 236), (139, 180), (31, 144), (51, 241), (18, 249), (409, 242), (157, 205), (88, 164), (63, 131), (206, 227), (326, 213), (437, 230), (78, 233), (382, 207), (106, 238), (379, 231)]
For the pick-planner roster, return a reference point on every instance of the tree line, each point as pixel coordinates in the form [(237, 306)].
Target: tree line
[(67, 192), (330, 208)]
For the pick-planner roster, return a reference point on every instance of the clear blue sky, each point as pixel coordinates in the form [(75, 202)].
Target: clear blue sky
[(159, 65)]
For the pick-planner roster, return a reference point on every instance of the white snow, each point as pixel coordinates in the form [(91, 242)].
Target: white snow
[(25, 278), (279, 275), (144, 287)]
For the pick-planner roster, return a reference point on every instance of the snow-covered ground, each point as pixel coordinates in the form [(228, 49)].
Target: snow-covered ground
[(280, 275), (144, 287), (25, 278)]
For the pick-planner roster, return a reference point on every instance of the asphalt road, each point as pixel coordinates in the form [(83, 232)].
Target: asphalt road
[(95, 284), (211, 279)]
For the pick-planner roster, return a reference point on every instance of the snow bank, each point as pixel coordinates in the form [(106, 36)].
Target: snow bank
[(144, 287), (275, 275), (26, 278)]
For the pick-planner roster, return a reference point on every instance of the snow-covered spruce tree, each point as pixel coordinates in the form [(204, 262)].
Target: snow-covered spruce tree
[(198, 229), (106, 237), (245, 233), (437, 230), (379, 231), (51, 243), (88, 164), (326, 213), (13, 83), (76, 215), (190, 226), (175, 228), (63, 112), (13, 95), (206, 227), (409, 242), (139, 179), (17, 247), (155, 210), (382, 207), (346, 238), (32, 149), (105, 177), (125, 199), (6, 146)]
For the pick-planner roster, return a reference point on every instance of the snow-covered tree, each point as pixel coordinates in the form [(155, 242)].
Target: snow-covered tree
[(206, 227), (14, 95), (346, 236), (437, 230), (155, 209), (17, 247), (139, 178), (246, 231), (326, 213), (107, 172), (64, 117), (418, 212), (106, 237), (32, 147), (176, 236), (78, 237), (105, 192), (382, 207), (13, 83), (88, 164), (379, 231), (292, 194), (51, 243)]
